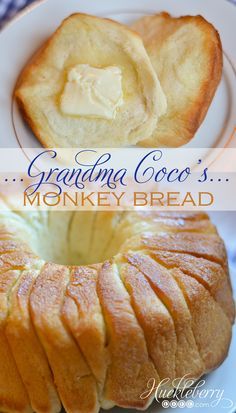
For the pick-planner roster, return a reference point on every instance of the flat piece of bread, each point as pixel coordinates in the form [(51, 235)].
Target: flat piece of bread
[(100, 43), (186, 54)]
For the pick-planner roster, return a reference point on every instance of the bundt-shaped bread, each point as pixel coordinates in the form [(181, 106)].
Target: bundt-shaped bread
[(158, 304)]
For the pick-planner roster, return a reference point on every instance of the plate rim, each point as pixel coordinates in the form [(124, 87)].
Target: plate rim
[(21, 13)]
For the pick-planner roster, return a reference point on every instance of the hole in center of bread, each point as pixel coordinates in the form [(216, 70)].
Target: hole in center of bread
[(74, 238)]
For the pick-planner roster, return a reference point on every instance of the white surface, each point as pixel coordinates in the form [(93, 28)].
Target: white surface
[(22, 37)]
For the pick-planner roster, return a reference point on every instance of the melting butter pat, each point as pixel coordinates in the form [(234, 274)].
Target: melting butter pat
[(92, 92)]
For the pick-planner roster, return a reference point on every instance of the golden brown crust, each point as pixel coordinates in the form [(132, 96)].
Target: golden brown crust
[(28, 352), (209, 274), (136, 223), (82, 313), (130, 367), (200, 245), (75, 383), (13, 395), (155, 320), (211, 340), (163, 283), (196, 52), (162, 307)]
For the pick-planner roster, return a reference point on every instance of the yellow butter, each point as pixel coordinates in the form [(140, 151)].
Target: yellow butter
[(91, 91)]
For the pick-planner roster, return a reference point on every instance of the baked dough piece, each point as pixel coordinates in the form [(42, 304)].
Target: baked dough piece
[(13, 395), (130, 367), (75, 383), (27, 350), (13, 258), (186, 54), (83, 314), (166, 288), (155, 320), (210, 247), (210, 274), (99, 43), (203, 325), (136, 223)]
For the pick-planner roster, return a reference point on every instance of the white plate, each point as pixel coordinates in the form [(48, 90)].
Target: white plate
[(25, 34), (20, 39)]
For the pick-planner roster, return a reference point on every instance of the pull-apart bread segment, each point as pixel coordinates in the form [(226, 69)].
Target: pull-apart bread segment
[(130, 367), (210, 274), (155, 320), (27, 349), (13, 259), (187, 357), (91, 84), (186, 54), (211, 341), (139, 222), (13, 395), (74, 381), (82, 313)]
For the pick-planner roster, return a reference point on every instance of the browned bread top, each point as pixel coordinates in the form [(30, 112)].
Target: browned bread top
[(93, 335)]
